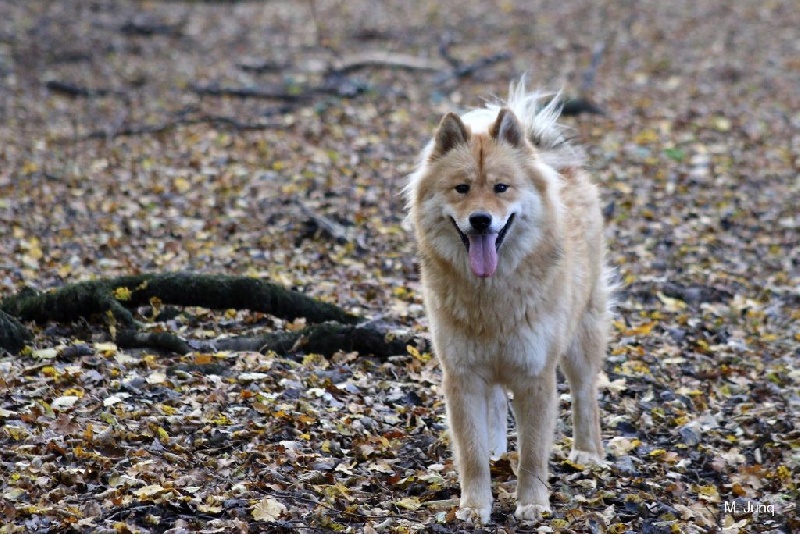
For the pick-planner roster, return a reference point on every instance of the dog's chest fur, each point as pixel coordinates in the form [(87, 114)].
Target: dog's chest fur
[(504, 327)]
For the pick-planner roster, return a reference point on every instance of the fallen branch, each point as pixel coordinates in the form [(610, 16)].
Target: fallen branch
[(376, 339), (263, 66), (78, 91), (331, 329), (149, 28), (324, 225), (13, 334), (572, 107), (85, 299), (384, 60), (464, 71), (445, 42), (265, 92), (335, 83), (590, 74)]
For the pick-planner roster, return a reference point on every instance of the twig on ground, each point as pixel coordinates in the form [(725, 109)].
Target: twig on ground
[(150, 28), (324, 225), (380, 59), (78, 91), (590, 74), (265, 92), (470, 69), (445, 42), (263, 66)]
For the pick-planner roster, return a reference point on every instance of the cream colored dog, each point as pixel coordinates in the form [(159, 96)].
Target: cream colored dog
[(510, 235)]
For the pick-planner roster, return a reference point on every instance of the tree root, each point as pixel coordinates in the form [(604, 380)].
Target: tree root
[(330, 328), (220, 292), (13, 335), (326, 339)]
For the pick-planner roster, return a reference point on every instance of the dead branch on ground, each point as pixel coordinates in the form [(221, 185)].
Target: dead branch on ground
[(331, 329)]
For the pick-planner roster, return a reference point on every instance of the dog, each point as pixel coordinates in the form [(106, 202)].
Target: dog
[(509, 231)]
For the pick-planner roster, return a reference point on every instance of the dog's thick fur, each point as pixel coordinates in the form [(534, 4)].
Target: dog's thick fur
[(510, 235)]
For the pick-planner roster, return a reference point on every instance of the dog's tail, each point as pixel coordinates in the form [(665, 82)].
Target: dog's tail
[(539, 111)]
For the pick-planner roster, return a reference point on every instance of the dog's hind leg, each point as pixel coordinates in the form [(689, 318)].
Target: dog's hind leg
[(581, 364), (497, 404)]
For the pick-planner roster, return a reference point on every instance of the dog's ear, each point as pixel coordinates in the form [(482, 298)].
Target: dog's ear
[(507, 128), (450, 133)]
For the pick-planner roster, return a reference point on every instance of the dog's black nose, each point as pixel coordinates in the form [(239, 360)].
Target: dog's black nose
[(480, 221)]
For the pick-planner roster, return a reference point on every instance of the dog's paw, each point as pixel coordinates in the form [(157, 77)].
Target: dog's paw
[(531, 512), (587, 458), (479, 516)]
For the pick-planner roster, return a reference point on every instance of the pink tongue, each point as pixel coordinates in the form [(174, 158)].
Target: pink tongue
[(482, 254)]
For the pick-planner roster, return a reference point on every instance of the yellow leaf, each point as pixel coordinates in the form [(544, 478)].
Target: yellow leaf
[(155, 304), (209, 508), (573, 465), (707, 493), (268, 509), (149, 491), (122, 293), (634, 367), (646, 137), (75, 392), (641, 330), (722, 124), (621, 445), (203, 359), (409, 503), (424, 357), (182, 185), (670, 303), (105, 349), (29, 167)]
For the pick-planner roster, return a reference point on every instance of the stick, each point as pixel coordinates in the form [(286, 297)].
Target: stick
[(471, 68)]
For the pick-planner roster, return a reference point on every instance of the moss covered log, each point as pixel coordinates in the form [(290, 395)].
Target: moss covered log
[(13, 334), (330, 328), (84, 299)]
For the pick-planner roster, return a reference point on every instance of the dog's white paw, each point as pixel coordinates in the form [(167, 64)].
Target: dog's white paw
[(586, 458), (474, 515), (531, 512)]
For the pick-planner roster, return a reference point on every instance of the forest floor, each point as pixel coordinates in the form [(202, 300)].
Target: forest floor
[(210, 137)]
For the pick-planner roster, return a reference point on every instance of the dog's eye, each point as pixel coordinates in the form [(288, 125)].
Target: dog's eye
[(462, 188), (500, 188)]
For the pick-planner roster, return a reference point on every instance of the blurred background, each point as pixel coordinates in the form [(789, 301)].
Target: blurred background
[(209, 136)]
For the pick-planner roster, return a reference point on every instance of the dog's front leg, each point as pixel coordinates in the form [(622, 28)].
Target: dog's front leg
[(535, 411), (465, 396)]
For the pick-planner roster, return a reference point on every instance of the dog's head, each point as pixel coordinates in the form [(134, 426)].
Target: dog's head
[(480, 195)]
